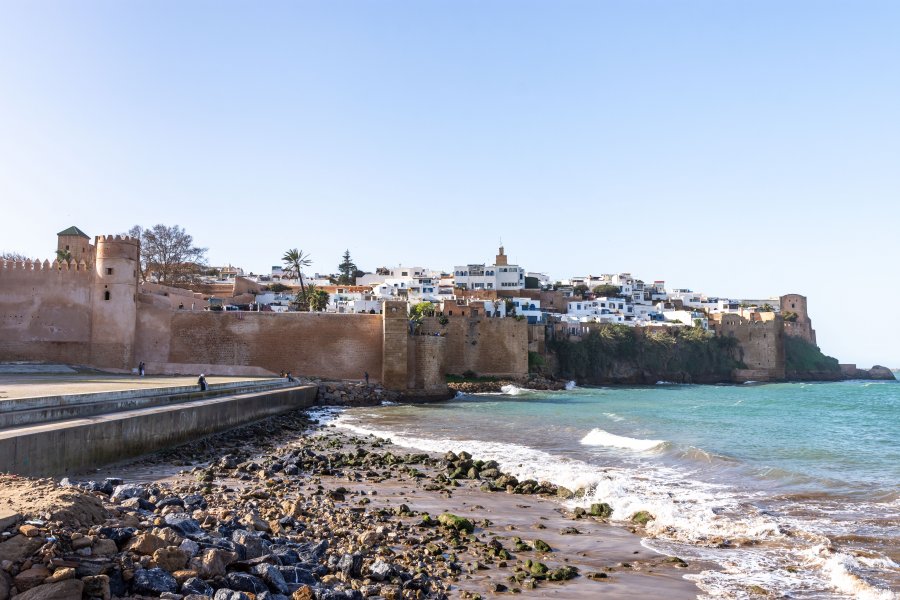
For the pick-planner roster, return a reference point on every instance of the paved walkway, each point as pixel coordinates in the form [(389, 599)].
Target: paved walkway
[(13, 387)]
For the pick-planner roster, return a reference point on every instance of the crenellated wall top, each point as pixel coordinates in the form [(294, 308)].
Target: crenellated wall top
[(36, 266), (121, 239)]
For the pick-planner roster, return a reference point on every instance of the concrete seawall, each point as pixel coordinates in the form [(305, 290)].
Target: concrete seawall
[(81, 444)]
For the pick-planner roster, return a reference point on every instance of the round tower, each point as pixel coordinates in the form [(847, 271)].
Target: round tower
[(114, 301), (795, 303), (797, 323)]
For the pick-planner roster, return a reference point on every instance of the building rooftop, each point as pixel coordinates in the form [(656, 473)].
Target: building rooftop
[(74, 231)]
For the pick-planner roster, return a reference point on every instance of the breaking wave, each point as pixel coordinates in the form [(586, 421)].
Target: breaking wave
[(599, 437)]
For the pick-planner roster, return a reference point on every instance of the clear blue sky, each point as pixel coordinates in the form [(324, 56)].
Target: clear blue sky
[(737, 148)]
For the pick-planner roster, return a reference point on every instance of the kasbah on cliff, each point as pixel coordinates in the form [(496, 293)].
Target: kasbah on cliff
[(93, 310)]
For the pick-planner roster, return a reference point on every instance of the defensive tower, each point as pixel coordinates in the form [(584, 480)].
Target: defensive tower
[(76, 244), (114, 301)]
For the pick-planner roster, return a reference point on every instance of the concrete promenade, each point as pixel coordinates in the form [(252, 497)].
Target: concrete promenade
[(122, 417), (26, 385)]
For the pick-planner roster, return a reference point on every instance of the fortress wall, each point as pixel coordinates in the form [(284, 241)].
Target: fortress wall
[(489, 347), (761, 343), (333, 346), (153, 330), (425, 363), (45, 312)]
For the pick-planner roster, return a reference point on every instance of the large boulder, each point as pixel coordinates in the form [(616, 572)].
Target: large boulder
[(153, 581), (62, 590), (883, 373), (19, 547)]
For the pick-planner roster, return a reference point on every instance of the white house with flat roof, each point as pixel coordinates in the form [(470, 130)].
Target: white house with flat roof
[(501, 276)]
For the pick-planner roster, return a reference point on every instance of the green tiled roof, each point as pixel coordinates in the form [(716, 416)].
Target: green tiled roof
[(74, 231)]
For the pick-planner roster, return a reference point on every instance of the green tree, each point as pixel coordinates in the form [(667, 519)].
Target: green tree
[(277, 287), (295, 260), (63, 255), (607, 290), (423, 309), (347, 269), (580, 290), (168, 254), (316, 299)]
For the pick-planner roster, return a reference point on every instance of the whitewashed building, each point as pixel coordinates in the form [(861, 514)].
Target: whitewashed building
[(501, 276)]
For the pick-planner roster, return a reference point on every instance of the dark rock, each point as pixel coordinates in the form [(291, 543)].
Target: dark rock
[(252, 543), (272, 576), (294, 575), (195, 500), (195, 585), (120, 535), (312, 552), (96, 587), (351, 565), (93, 566), (173, 501), (183, 524), (380, 570), (153, 581), (226, 594), (123, 492), (244, 582)]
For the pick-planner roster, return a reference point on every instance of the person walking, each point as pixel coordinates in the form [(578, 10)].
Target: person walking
[(201, 381), (141, 369), (367, 378)]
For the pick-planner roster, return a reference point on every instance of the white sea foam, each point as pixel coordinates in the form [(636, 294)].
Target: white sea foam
[(599, 437), (325, 416), (614, 417), (570, 385), (691, 517), (512, 390), (843, 571)]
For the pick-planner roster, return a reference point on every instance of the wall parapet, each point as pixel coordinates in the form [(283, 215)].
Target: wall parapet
[(36, 266)]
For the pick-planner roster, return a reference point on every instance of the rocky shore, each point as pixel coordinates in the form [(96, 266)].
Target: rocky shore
[(274, 511), (532, 382)]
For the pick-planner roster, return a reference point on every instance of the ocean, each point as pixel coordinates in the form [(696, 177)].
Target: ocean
[(793, 487)]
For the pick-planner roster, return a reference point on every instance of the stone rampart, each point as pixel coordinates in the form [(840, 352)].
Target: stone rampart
[(760, 343), (334, 346), (45, 311), (486, 346)]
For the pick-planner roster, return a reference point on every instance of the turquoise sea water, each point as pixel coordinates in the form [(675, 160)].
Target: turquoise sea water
[(791, 487)]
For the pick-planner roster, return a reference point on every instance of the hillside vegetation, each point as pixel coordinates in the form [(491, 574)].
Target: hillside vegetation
[(622, 354), (802, 358)]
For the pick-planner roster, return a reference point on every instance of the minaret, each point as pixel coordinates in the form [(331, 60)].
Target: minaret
[(76, 243), (501, 258)]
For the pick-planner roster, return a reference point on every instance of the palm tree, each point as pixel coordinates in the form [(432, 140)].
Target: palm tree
[(295, 260)]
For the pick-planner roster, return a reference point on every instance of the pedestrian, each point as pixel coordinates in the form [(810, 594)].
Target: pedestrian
[(202, 382), (141, 369), (367, 378), (290, 377)]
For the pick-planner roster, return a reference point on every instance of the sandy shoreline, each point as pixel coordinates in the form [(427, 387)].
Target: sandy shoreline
[(291, 485)]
